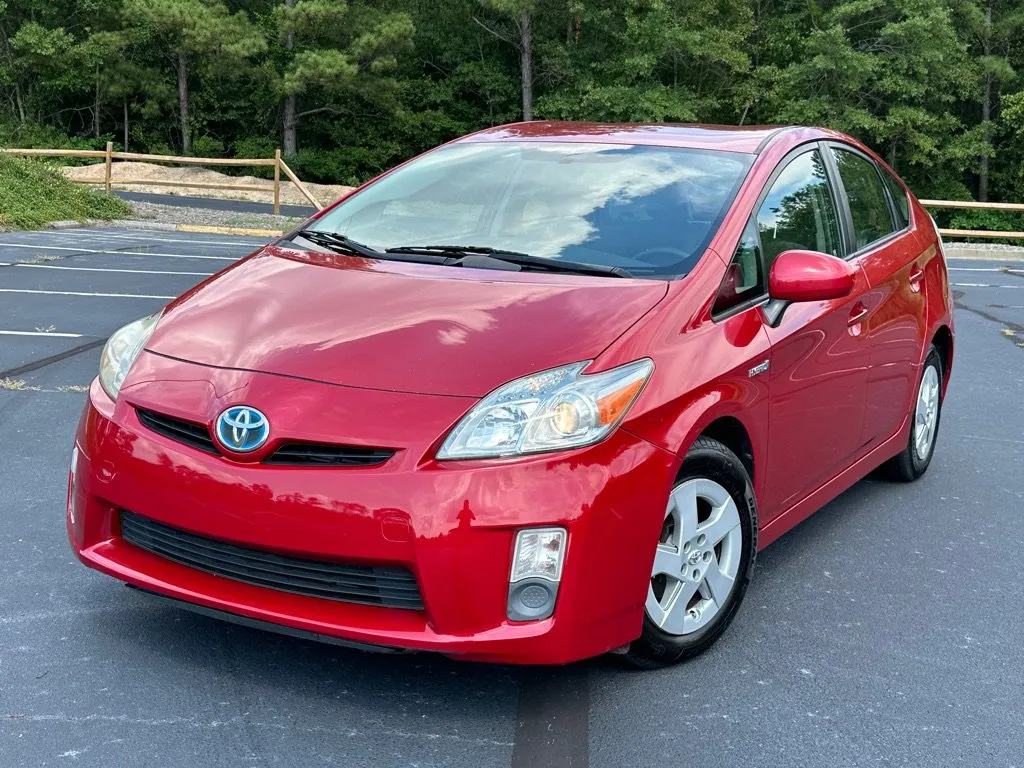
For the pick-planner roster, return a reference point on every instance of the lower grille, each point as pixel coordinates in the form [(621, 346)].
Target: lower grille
[(368, 585)]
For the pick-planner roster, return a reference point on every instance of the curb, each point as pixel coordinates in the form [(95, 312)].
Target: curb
[(982, 254), (211, 230), (156, 226), (71, 224)]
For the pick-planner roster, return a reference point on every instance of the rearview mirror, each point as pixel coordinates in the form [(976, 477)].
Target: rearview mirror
[(810, 276)]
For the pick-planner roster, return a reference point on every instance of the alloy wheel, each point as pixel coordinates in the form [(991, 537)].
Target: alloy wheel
[(926, 413), (697, 559)]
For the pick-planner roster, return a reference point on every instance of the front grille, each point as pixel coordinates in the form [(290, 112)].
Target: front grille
[(369, 585), (295, 454), (306, 454), (186, 432)]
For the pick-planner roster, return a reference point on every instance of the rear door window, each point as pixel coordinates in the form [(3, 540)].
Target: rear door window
[(869, 206)]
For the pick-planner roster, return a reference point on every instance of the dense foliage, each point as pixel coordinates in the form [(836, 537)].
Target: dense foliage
[(32, 195), (350, 87)]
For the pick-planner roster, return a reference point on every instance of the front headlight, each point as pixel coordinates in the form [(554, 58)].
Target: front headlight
[(548, 411), (121, 351)]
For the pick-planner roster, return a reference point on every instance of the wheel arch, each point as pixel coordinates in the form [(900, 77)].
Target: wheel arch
[(730, 432), (942, 338), (736, 416)]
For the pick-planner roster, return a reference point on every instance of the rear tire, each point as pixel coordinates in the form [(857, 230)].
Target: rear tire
[(703, 559), (925, 414)]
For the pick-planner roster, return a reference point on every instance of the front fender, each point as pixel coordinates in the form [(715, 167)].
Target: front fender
[(705, 377)]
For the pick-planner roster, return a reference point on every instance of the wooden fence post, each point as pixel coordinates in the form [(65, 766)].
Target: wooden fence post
[(106, 174), (300, 186), (277, 182)]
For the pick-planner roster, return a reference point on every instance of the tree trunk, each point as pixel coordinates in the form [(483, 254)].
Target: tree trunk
[(526, 62), (186, 139), (126, 122), (96, 107), (291, 126), (20, 103), (291, 122), (986, 112)]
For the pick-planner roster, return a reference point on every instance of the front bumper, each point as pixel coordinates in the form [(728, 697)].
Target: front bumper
[(452, 524)]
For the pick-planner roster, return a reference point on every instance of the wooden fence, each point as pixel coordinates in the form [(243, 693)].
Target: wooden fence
[(970, 204), (109, 155), (280, 167)]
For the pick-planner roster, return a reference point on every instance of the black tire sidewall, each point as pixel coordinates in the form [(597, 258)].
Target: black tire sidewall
[(712, 460)]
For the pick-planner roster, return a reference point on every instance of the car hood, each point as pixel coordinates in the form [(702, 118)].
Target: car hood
[(396, 326)]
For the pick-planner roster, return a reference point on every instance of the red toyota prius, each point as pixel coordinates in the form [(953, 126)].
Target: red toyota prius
[(536, 395)]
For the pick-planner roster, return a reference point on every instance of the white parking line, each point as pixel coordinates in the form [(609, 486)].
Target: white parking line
[(116, 252), (146, 238), (104, 269), (42, 333), (986, 269), (83, 293), (985, 285)]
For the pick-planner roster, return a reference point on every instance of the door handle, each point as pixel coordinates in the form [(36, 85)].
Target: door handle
[(858, 313), (916, 276)]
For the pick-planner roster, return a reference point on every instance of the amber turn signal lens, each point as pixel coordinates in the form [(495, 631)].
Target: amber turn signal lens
[(611, 406)]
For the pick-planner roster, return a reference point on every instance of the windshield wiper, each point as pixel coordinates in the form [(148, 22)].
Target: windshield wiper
[(339, 243), (514, 257)]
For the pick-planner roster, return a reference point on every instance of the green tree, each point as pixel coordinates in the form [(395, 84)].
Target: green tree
[(332, 48), (651, 60), (994, 27), (186, 30), (932, 85), (888, 71), (514, 25)]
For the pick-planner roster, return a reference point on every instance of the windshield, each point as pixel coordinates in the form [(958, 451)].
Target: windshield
[(649, 210)]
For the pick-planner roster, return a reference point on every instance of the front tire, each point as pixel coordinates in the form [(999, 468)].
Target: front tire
[(926, 412), (703, 558)]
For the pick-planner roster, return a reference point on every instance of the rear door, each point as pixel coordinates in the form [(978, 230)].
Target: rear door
[(885, 247), (819, 358)]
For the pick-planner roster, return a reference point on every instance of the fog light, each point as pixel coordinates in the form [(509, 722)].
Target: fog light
[(536, 573)]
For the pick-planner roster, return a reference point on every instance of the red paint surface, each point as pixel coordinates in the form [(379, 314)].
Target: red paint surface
[(378, 354), (804, 276)]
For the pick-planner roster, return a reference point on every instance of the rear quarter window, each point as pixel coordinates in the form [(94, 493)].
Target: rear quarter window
[(899, 196)]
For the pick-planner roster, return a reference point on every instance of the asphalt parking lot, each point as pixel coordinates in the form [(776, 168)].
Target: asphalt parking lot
[(885, 631)]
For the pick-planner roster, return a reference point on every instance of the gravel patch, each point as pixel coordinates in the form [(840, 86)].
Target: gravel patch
[(984, 251), (143, 172), (999, 247), (174, 214)]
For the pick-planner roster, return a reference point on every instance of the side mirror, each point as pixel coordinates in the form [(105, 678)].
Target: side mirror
[(810, 276)]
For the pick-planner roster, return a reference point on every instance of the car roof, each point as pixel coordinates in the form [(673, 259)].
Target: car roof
[(729, 138)]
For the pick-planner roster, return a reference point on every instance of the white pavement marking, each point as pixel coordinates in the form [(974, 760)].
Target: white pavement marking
[(985, 269), (42, 333), (985, 285), (82, 293), (146, 238), (105, 269), (115, 252)]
